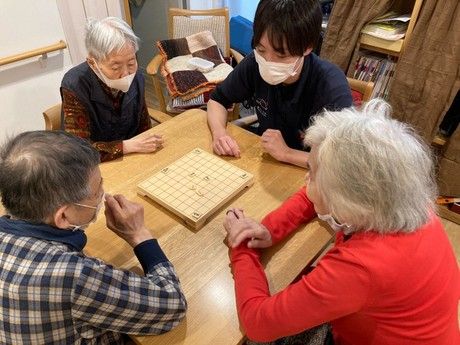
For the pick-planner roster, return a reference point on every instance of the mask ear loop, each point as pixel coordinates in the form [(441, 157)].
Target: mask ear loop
[(295, 70), (98, 208)]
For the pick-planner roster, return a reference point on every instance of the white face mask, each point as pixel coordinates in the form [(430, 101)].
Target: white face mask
[(276, 72), (122, 84), (347, 229), (82, 227)]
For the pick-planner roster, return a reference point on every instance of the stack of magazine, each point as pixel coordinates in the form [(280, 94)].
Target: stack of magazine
[(380, 70), (391, 26)]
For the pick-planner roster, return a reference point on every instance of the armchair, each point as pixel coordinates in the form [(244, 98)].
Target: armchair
[(182, 23)]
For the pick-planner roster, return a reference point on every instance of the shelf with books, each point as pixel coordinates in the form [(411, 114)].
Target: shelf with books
[(375, 58), (375, 67)]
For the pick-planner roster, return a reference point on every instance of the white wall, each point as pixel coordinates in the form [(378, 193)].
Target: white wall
[(244, 8), (74, 15), (27, 88)]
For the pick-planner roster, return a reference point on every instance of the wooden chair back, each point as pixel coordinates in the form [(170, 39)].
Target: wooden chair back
[(52, 117), (363, 87), (182, 23)]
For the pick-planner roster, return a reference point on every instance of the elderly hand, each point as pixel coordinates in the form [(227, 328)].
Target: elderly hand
[(143, 144), (240, 228), (126, 219), (274, 144), (225, 145)]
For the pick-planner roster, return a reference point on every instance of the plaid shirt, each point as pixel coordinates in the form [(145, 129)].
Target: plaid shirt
[(51, 293)]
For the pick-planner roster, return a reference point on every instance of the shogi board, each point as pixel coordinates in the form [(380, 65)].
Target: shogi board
[(195, 186)]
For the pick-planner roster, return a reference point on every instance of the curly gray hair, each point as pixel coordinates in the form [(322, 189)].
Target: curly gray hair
[(107, 35), (373, 172)]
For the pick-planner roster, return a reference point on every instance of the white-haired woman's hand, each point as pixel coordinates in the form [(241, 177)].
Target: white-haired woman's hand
[(143, 144), (240, 228)]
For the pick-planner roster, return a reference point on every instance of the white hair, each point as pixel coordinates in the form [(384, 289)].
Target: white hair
[(374, 172), (107, 35)]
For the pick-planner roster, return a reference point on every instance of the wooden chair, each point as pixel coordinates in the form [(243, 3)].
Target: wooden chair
[(157, 115), (364, 87), (52, 118), (182, 23)]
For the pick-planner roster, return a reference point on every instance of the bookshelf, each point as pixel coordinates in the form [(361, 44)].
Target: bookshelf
[(382, 50)]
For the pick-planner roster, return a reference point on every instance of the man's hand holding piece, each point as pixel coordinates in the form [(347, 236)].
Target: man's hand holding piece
[(126, 219)]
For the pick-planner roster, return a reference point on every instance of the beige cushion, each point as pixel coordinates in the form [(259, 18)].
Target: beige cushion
[(186, 26)]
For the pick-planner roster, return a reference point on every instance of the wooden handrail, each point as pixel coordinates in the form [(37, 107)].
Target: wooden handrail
[(40, 51)]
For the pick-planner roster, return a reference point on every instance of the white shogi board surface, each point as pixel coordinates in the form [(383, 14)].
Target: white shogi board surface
[(195, 186)]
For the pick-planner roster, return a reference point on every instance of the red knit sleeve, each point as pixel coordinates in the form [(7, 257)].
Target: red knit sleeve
[(338, 286), (77, 122), (296, 210)]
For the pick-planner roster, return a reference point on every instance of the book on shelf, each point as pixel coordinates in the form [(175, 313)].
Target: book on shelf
[(391, 26), (375, 68)]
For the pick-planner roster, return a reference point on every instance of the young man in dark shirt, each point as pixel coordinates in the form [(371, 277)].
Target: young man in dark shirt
[(285, 80)]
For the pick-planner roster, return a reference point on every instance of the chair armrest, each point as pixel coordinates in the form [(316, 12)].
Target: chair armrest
[(238, 57), (154, 64), (158, 116), (245, 121), (439, 140)]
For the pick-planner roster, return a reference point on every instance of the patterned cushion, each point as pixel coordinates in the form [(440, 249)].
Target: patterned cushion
[(186, 26)]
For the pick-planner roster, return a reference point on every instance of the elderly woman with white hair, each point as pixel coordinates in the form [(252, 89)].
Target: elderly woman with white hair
[(392, 276), (103, 98)]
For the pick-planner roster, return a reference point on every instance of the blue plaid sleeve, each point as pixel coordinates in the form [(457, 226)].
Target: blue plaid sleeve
[(108, 299)]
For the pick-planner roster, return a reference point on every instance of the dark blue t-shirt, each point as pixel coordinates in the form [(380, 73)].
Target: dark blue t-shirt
[(286, 107)]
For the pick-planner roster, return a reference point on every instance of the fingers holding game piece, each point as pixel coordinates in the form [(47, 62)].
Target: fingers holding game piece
[(226, 146), (238, 213), (126, 219), (240, 230)]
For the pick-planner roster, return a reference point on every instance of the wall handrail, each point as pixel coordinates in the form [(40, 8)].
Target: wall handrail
[(31, 53)]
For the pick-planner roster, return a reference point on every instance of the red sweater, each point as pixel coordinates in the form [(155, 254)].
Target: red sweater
[(372, 289)]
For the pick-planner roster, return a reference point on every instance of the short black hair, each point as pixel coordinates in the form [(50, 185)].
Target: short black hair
[(296, 22), (41, 171)]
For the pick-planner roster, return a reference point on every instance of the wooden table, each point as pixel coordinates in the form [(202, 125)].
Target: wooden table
[(200, 257)]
